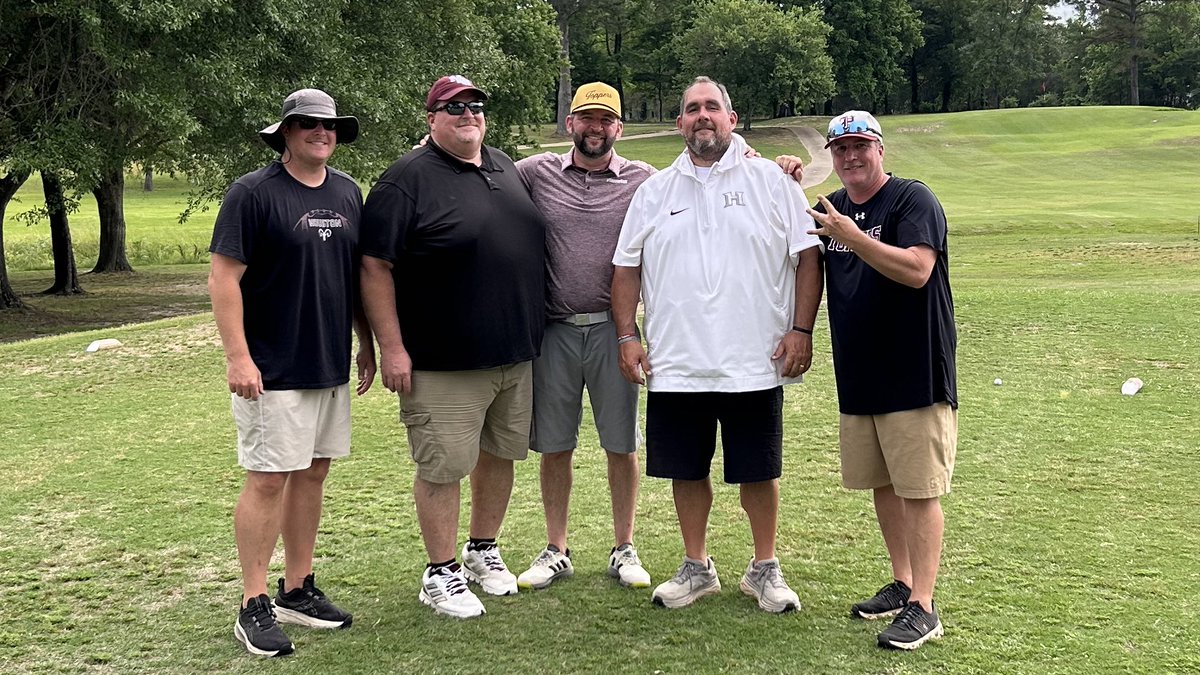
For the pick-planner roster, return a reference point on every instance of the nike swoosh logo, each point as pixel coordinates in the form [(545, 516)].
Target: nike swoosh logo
[(675, 213)]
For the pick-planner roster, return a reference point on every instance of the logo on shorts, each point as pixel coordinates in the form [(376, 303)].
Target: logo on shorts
[(323, 221)]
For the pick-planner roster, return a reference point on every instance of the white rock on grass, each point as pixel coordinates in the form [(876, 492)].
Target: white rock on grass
[(106, 343)]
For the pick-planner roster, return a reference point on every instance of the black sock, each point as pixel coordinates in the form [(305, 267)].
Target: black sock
[(436, 566), (474, 544)]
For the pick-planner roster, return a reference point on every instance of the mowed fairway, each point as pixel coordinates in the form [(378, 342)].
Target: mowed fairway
[(1071, 542)]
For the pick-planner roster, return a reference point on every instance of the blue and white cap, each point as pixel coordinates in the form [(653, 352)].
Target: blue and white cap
[(854, 124)]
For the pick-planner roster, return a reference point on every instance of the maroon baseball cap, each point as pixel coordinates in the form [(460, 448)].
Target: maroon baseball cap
[(448, 87)]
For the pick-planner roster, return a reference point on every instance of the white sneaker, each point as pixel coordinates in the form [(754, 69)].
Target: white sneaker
[(693, 580), (550, 564), (446, 591), (486, 568), (764, 582), (625, 566)]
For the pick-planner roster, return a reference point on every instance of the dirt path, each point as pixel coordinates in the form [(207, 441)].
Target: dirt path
[(816, 171)]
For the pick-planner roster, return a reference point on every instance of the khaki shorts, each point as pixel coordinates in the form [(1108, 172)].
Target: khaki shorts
[(452, 415), (912, 450), (285, 430)]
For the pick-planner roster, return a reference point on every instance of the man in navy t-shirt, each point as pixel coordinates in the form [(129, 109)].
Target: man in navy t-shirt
[(891, 318), (284, 265)]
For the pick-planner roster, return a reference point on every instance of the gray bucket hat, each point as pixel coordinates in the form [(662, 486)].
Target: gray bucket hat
[(310, 103)]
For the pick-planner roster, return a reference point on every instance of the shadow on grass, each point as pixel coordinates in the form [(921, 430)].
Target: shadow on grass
[(148, 294)]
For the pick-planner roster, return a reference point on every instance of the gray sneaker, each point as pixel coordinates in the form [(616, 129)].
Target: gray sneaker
[(764, 582), (694, 580)]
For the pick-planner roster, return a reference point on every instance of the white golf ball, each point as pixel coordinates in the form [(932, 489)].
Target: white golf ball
[(997, 382)]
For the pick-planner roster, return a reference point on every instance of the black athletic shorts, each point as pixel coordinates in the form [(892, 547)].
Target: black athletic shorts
[(681, 434)]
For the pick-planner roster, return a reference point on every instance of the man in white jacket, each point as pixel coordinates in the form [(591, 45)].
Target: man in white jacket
[(716, 245)]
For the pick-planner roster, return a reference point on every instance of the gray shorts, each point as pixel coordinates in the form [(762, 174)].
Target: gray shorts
[(574, 357), (285, 430)]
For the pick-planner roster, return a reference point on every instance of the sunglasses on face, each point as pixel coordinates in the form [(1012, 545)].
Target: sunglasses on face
[(852, 127), (457, 108), (308, 123)]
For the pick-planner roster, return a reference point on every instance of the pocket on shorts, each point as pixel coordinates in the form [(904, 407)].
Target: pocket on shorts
[(420, 436)]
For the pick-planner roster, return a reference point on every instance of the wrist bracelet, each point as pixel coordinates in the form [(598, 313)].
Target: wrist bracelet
[(622, 339), (806, 331)]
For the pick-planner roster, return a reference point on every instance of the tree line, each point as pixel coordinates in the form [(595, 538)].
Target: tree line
[(90, 89), (889, 56)]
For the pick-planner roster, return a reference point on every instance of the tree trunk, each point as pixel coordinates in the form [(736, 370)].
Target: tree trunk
[(110, 202), (148, 181), (564, 72), (619, 85), (66, 274), (947, 84), (914, 84), (8, 187), (1134, 97)]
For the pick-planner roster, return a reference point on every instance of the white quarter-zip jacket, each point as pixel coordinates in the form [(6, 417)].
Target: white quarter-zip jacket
[(718, 260)]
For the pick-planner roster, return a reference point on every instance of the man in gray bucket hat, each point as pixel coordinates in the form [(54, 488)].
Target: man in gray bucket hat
[(283, 286)]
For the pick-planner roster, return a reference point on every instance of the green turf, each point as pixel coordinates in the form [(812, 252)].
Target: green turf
[(1071, 541)]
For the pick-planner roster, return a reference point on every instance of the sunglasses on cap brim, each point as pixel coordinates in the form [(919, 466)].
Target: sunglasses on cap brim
[(852, 127)]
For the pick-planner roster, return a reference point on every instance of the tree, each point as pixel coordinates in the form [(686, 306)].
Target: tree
[(66, 274), (1006, 49), (89, 89), (9, 185), (938, 60), (1122, 23), (564, 11), (762, 53), (868, 42)]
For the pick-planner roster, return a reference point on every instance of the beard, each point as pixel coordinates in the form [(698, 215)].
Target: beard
[(708, 149), (581, 145)]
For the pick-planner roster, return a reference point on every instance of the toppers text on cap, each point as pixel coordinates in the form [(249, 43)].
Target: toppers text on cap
[(596, 96)]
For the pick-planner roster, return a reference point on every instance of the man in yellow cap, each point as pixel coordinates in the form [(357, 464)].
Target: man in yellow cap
[(583, 195)]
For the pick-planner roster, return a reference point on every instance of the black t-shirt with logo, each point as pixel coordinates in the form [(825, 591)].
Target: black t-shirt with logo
[(893, 346), (299, 245), (468, 250)]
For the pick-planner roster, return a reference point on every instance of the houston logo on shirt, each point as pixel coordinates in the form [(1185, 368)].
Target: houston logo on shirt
[(323, 221)]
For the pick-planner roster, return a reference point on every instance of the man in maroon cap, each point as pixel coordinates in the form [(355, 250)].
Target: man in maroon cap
[(284, 264), (453, 284)]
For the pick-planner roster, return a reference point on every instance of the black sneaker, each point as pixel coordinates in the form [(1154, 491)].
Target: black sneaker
[(887, 602), (911, 628), (257, 630), (308, 606)]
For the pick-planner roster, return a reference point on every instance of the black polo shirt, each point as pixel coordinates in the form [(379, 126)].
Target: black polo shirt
[(467, 246)]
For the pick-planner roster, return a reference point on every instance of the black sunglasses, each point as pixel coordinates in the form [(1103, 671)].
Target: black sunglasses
[(457, 108), (307, 123)]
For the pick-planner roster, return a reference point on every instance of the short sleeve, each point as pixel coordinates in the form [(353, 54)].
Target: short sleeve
[(792, 209), (387, 216), (634, 231), (920, 219), (233, 231)]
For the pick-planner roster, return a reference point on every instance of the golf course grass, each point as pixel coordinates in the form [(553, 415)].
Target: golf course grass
[(1071, 542)]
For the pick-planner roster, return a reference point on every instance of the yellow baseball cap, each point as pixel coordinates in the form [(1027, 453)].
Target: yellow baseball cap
[(596, 95)]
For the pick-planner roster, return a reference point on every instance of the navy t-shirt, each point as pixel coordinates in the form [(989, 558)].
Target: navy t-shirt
[(467, 246), (299, 245), (893, 346)]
